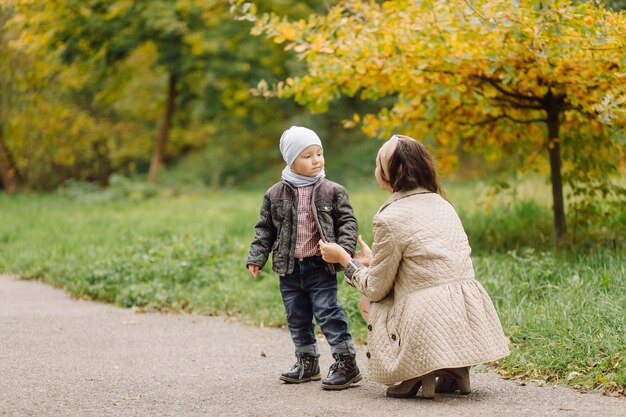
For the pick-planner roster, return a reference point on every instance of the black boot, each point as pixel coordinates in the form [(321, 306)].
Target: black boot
[(342, 373), (306, 368)]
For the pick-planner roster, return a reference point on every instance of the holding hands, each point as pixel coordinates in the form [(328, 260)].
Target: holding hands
[(333, 253)]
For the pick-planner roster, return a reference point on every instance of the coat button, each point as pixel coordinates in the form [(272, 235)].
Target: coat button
[(368, 355), (369, 327), (393, 337)]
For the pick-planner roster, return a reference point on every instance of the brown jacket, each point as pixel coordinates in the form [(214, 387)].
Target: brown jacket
[(276, 229)]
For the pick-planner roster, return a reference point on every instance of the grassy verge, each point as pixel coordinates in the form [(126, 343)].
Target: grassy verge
[(564, 315)]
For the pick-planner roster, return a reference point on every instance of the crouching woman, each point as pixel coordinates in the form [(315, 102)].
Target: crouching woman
[(428, 318)]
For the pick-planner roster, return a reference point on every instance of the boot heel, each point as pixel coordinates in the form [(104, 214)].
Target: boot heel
[(428, 385), (463, 380)]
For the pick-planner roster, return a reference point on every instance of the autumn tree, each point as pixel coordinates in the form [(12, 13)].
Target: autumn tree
[(208, 58), (86, 97), (504, 78), (8, 56), (244, 125), (53, 129), (108, 32)]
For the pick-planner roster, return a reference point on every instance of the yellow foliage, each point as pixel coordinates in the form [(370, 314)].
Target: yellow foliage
[(287, 31), (485, 70)]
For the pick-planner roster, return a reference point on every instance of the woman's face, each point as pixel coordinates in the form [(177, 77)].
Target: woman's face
[(384, 185)]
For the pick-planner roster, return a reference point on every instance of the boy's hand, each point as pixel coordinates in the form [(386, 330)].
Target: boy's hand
[(365, 254), (255, 270)]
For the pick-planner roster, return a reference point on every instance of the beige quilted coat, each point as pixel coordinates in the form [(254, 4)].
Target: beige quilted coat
[(427, 312)]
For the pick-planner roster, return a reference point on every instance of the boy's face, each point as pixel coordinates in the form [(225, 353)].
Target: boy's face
[(310, 161)]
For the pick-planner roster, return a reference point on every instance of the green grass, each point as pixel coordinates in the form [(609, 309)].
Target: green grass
[(564, 317), (154, 249)]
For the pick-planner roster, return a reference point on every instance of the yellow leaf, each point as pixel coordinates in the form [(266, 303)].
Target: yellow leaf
[(287, 31), (301, 47)]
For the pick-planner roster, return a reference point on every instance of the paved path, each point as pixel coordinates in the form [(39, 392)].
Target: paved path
[(63, 357)]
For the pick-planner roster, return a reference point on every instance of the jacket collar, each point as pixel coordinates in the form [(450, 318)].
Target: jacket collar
[(400, 195), (316, 184)]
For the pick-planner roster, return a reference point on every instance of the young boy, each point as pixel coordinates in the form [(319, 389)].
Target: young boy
[(297, 212)]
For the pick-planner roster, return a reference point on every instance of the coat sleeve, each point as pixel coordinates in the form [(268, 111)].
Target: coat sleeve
[(346, 225), (264, 236), (377, 280)]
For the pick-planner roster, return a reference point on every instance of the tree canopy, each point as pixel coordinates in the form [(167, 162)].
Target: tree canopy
[(85, 87), (504, 78)]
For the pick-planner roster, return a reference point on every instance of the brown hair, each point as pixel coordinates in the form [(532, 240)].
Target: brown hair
[(412, 166)]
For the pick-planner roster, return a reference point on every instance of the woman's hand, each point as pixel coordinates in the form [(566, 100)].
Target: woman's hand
[(365, 254), (334, 254)]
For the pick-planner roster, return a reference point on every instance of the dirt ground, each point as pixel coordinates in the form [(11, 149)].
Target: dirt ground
[(64, 357)]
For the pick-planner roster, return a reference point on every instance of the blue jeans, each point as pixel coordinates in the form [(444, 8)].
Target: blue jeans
[(311, 291)]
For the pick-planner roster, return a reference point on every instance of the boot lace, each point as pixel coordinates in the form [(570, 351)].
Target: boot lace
[(299, 361), (338, 366)]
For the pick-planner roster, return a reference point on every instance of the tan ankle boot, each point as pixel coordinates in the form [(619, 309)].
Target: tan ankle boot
[(453, 379), (409, 388)]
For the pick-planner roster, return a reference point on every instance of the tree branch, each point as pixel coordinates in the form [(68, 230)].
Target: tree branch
[(602, 49), (506, 116), (501, 89), (476, 12), (434, 71), (520, 105)]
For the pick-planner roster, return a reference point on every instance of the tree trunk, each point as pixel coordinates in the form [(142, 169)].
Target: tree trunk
[(554, 149), (8, 172), (161, 137)]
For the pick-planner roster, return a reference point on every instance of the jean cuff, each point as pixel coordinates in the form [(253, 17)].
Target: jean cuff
[(347, 346), (310, 349)]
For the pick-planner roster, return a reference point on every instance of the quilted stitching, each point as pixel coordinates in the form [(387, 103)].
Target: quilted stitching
[(429, 311)]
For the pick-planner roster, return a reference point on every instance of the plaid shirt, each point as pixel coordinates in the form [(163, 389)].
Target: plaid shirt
[(308, 236)]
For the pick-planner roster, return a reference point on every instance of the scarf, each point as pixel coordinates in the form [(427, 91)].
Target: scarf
[(298, 180)]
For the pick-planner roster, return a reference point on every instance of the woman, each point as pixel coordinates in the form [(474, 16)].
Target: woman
[(429, 320)]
